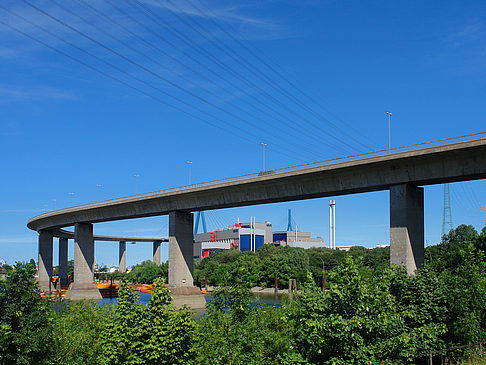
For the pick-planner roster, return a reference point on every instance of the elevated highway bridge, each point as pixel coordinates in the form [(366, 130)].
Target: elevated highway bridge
[(403, 172)]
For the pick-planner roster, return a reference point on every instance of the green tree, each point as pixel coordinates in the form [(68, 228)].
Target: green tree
[(156, 334), (238, 330), (148, 271), (25, 318), (76, 331)]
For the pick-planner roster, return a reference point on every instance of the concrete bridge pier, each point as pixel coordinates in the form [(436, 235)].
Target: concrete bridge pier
[(45, 259), (156, 252), (181, 261), (83, 286), (122, 256), (63, 261), (407, 226)]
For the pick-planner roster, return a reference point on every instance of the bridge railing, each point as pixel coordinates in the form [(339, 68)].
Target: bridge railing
[(332, 161)]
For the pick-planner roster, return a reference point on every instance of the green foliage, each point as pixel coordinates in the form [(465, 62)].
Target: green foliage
[(76, 332), (238, 330), (156, 334), (148, 271), (259, 269), (25, 318), (358, 320), (369, 313)]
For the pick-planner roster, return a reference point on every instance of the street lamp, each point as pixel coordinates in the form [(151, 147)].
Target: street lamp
[(71, 198), (136, 183), (389, 135), (99, 186), (263, 149), (189, 163)]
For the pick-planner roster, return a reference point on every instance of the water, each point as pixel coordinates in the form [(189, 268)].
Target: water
[(266, 299)]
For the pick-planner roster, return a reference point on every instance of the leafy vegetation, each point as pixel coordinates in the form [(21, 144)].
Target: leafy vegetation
[(25, 318), (227, 267), (370, 312), (155, 334)]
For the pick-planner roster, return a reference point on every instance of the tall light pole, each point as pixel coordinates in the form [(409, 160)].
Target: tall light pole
[(99, 186), (71, 198), (136, 183), (189, 163), (263, 149), (389, 134)]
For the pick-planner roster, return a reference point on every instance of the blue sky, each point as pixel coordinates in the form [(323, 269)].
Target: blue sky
[(159, 83)]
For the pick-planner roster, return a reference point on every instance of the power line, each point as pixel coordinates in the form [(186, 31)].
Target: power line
[(250, 67), (157, 19), (126, 73), (103, 72), (279, 74), (246, 80), (165, 67)]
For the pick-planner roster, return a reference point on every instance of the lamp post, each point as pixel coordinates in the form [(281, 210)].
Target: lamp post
[(99, 186), (136, 183), (389, 134), (263, 149), (189, 163), (71, 198)]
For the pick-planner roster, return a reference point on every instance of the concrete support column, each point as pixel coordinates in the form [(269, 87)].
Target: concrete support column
[(122, 256), (63, 261), (156, 252), (407, 226), (45, 259), (181, 260), (83, 287)]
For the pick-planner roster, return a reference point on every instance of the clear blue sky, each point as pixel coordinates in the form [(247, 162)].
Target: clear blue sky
[(199, 91)]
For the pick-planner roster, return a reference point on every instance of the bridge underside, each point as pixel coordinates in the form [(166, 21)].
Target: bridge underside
[(401, 173)]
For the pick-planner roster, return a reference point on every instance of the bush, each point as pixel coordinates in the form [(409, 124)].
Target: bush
[(25, 318)]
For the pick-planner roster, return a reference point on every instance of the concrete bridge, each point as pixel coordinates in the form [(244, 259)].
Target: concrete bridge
[(84, 260), (402, 172)]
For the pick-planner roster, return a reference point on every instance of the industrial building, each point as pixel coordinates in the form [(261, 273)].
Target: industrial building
[(249, 237), (297, 239)]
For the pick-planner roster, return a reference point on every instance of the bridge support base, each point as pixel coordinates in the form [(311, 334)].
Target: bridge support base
[(83, 286), (45, 259), (407, 226), (188, 295), (181, 261)]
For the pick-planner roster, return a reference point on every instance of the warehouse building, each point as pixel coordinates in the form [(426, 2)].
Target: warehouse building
[(249, 237)]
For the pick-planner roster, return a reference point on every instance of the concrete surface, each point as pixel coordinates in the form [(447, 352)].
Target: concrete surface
[(181, 260), (156, 252), (407, 226), (188, 295), (45, 259), (83, 265), (122, 256), (63, 261), (435, 165)]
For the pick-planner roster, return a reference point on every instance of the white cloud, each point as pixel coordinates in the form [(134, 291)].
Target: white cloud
[(17, 239), (8, 94)]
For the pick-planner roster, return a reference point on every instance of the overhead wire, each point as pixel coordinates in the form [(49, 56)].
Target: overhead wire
[(249, 66), (93, 68), (136, 78), (150, 14), (276, 72), (243, 111)]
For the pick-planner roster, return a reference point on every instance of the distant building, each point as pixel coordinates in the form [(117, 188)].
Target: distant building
[(3, 273), (344, 247), (248, 237), (297, 239)]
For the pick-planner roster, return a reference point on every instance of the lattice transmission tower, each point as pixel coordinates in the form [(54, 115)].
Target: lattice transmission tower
[(446, 212)]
